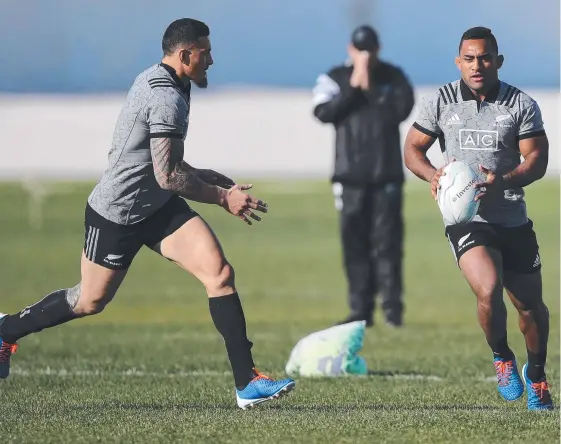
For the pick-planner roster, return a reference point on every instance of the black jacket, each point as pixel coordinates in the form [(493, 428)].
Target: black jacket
[(368, 146)]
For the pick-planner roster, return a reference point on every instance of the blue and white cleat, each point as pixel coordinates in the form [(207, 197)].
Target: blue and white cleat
[(509, 383), (6, 351), (262, 389), (539, 397)]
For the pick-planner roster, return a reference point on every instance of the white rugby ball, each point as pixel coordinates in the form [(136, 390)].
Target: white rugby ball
[(456, 194)]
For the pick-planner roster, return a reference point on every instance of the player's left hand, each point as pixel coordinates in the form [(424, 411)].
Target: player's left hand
[(492, 186), (214, 178), (243, 205)]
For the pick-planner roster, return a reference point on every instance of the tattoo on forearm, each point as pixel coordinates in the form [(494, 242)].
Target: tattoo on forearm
[(171, 172), (184, 182), (161, 155)]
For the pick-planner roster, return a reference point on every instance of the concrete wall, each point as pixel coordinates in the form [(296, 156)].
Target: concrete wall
[(250, 133)]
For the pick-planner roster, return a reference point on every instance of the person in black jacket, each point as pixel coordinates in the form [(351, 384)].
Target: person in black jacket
[(365, 101)]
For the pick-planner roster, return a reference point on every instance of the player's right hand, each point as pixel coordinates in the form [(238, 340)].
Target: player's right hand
[(434, 182), (360, 59), (241, 204), (360, 75)]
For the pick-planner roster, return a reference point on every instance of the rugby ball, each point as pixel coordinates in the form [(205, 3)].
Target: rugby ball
[(456, 194)]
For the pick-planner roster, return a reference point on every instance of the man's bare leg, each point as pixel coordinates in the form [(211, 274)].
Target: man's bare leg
[(525, 292), (90, 296), (195, 248), (482, 268)]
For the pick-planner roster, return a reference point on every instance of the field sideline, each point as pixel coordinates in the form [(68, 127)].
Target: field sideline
[(151, 368)]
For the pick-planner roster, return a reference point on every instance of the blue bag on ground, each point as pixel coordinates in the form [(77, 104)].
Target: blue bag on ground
[(329, 352)]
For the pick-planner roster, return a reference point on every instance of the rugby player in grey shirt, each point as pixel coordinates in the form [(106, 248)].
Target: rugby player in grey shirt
[(489, 124), (139, 201)]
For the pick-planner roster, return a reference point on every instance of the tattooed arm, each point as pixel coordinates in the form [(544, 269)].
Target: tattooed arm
[(175, 175)]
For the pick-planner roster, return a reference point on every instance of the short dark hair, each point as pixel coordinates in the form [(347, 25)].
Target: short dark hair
[(181, 32), (480, 33)]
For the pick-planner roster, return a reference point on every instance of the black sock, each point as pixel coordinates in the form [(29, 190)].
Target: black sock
[(52, 310), (536, 365), (229, 320), (501, 349)]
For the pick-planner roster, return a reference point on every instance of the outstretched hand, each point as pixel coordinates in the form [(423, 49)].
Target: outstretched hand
[(240, 204)]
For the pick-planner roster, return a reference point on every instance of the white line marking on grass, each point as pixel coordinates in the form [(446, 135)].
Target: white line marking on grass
[(135, 373), (127, 373), (488, 379), (417, 377)]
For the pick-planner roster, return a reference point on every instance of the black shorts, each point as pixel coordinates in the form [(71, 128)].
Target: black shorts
[(114, 245), (518, 245)]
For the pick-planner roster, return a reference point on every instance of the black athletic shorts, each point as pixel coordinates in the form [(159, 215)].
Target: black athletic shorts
[(114, 245), (518, 245)]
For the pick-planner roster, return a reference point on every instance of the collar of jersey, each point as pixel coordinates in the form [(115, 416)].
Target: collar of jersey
[(185, 87), (491, 96)]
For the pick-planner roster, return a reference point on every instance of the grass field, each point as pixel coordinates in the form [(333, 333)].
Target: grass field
[(151, 367)]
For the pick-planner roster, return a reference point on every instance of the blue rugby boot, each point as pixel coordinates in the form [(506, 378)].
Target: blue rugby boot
[(509, 383), (262, 389), (539, 397)]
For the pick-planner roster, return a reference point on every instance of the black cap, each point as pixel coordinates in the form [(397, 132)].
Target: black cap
[(364, 38)]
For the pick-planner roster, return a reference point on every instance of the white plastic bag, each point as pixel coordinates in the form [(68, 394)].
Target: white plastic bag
[(330, 352)]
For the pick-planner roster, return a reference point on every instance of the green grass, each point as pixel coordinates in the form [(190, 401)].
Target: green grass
[(151, 367)]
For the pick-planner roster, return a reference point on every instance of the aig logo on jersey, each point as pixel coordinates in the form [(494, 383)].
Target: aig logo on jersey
[(480, 140)]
